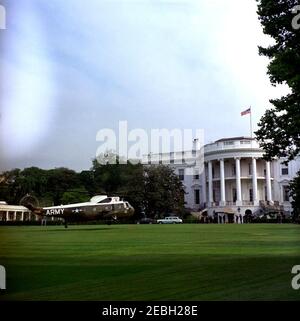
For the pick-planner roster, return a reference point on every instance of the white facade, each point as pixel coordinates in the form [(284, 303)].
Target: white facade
[(15, 213), (235, 178)]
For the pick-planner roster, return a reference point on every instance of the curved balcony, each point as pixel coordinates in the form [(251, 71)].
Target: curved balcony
[(232, 144)]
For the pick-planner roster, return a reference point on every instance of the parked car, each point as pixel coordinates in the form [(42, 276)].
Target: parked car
[(146, 220), (170, 220)]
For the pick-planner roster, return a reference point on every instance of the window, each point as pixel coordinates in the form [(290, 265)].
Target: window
[(197, 196), (250, 169), (286, 193), (196, 175), (233, 170), (106, 200), (229, 143), (284, 171), (251, 195), (172, 158), (213, 171), (181, 174), (183, 160), (194, 153), (234, 195), (115, 207)]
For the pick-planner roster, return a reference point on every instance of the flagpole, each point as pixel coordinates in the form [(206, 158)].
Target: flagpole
[(251, 128)]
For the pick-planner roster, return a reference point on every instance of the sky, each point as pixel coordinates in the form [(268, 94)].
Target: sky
[(71, 68)]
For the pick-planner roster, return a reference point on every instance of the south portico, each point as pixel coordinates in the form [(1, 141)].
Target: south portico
[(236, 179), (237, 190), (238, 183)]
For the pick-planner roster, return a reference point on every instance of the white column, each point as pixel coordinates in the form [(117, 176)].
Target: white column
[(268, 182), (222, 180), (254, 182), (7, 216), (22, 216), (204, 185), (210, 184), (238, 182), (15, 216)]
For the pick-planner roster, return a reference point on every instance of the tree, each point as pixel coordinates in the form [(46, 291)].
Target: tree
[(107, 177), (133, 187), (33, 180), (59, 181), (295, 192), (155, 190), (10, 186), (279, 128), (87, 180), (76, 195), (164, 191)]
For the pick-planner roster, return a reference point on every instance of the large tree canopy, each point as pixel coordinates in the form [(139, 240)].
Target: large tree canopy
[(279, 132)]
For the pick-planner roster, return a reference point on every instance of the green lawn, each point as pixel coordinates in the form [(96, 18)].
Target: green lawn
[(150, 262)]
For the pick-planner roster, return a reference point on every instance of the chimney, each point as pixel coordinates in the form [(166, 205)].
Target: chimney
[(196, 144)]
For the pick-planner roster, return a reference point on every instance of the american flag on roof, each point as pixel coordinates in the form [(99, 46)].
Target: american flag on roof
[(245, 112)]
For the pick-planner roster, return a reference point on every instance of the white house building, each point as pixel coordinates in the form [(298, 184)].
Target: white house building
[(232, 179), (15, 213)]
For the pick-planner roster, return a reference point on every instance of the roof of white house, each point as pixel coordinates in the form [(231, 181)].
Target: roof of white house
[(5, 207), (234, 138)]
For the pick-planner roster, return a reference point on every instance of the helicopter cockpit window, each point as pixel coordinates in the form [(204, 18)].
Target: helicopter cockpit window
[(118, 206), (106, 200)]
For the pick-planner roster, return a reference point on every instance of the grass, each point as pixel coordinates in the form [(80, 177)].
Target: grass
[(150, 262)]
